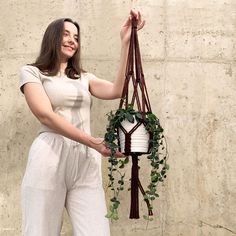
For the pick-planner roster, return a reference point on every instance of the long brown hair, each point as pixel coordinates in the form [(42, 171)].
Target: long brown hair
[(48, 60)]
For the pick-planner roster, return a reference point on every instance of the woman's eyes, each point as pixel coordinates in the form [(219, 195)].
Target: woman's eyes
[(75, 37)]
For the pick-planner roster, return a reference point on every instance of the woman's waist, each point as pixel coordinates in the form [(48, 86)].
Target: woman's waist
[(44, 128)]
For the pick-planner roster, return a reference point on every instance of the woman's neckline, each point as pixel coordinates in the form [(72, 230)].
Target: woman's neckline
[(61, 74)]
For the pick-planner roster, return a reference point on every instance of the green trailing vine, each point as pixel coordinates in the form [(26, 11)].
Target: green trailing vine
[(157, 156)]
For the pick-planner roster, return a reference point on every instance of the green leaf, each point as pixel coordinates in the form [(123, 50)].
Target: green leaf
[(129, 117), (126, 161), (122, 166), (138, 116), (115, 216), (121, 182), (113, 199), (116, 204), (109, 214), (148, 218), (154, 178)]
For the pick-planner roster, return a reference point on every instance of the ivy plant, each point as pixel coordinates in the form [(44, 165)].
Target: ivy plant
[(157, 156)]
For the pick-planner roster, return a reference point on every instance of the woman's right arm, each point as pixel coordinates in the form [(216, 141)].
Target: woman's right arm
[(40, 105)]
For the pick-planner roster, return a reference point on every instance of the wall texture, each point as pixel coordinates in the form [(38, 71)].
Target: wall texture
[(189, 57)]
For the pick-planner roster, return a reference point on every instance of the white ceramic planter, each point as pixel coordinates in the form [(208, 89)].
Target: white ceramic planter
[(139, 138)]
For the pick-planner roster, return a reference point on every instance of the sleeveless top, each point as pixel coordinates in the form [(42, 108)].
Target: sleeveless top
[(69, 98)]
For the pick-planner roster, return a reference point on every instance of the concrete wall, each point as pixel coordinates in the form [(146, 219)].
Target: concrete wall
[(189, 52)]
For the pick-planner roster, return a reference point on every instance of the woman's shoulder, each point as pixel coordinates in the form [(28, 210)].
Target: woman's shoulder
[(88, 75), (29, 69), (34, 70), (29, 73)]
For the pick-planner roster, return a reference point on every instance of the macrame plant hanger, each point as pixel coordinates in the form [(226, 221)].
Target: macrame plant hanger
[(134, 76)]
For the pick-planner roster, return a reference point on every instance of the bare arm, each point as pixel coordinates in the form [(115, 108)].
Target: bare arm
[(43, 111), (107, 90)]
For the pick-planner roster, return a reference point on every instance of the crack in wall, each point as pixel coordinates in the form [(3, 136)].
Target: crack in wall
[(217, 226)]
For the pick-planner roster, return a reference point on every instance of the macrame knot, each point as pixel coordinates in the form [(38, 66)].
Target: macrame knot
[(134, 23)]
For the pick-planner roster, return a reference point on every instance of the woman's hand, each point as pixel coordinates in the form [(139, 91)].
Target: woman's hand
[(99, 145), (126, 28)]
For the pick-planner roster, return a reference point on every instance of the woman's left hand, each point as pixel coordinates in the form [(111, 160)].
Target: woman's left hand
[(126, 28)]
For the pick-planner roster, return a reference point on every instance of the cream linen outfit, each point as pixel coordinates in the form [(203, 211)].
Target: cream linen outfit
[(61, 172)]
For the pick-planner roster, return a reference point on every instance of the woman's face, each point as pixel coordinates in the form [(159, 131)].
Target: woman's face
[(69, 43)]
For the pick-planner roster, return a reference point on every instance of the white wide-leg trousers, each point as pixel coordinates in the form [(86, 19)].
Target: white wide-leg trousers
[(62, 173)]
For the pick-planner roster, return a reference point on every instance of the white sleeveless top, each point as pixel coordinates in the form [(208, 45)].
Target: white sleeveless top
[(69, 98)]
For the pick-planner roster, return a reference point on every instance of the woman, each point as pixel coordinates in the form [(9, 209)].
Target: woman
[(64, 164)]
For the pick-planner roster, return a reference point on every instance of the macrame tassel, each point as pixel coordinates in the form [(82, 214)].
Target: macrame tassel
[(134, 209)]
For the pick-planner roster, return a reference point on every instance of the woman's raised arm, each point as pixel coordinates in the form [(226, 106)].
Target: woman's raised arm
[(107, 90)]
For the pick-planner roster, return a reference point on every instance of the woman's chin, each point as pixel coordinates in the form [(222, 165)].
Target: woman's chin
[(66, 57)]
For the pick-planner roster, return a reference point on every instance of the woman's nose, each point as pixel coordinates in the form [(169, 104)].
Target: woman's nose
[(71, 40)]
